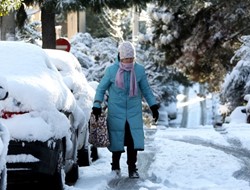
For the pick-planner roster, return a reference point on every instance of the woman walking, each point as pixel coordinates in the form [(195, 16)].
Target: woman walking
[(126, 83)]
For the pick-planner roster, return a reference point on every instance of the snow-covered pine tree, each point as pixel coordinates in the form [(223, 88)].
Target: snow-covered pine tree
[(110, 23), (199, 37), (236, 84)]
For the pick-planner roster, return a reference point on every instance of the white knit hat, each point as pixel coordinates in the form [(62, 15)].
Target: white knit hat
[(126, 50)]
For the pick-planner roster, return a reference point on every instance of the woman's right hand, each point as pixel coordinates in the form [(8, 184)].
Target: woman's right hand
[(97, 112)]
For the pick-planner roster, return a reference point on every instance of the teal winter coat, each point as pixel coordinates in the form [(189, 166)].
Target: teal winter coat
[(122, 108)]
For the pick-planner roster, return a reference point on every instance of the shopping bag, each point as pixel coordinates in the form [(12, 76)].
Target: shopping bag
[(98, 131)]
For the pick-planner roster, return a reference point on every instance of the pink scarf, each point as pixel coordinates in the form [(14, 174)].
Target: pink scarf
[(119, 81)]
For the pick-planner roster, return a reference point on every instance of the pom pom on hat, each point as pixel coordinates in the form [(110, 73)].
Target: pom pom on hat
[(126, 50)]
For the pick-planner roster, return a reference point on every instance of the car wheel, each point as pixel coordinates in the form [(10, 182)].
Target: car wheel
[(83, 156), (94, 153), (72, 175), (87, 156), (56, 181), (3, 178), (248, 118)]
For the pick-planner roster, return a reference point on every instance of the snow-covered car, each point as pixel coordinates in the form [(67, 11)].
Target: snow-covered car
[(42, 116), (4, 142), (71, 71), (241, 114), (246, 110), (166, 114), (237, 115)]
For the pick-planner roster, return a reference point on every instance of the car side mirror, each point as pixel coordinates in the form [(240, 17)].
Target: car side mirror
[(3, 93), (244, 110)]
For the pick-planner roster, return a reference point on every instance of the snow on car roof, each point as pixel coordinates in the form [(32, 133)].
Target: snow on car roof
[(34, 84), (69, 67), (27, 74), (71, 71)]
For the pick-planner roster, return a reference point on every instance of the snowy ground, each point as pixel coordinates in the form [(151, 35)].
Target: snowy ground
[(179, 159), (193, 158)]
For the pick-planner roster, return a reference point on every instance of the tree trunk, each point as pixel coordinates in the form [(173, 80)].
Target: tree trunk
[(203, 118), (135, 25), (48, 29), (184, 120), (82, 21), (7, 27)]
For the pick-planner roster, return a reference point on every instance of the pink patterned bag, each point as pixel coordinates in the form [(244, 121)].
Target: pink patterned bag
[(98, 131)]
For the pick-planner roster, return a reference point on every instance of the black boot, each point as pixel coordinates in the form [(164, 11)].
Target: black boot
[(133, 173), (131, 154), (115, 165), (116, 160), (116, 171)]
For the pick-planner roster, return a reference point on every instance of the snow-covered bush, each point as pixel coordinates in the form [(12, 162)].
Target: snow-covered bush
[(95, 54), (30, 33)]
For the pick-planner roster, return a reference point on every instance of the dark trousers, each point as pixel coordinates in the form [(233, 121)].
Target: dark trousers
[(131, 152)]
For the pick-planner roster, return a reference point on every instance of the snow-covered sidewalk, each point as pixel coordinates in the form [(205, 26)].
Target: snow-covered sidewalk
[(183, 159)]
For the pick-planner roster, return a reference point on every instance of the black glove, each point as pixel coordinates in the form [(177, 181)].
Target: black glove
[(97, 112), (154, 109)]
